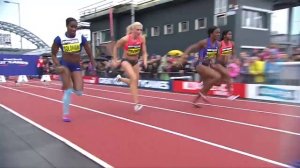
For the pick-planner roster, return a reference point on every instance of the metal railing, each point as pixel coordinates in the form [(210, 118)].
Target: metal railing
[(106, 4)]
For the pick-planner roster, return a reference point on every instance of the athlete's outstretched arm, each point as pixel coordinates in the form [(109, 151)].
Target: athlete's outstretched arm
[(54, 51), (118, 45), (192, 48)]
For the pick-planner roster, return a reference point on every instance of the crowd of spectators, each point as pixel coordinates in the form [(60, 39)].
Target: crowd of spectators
[(256, 66)]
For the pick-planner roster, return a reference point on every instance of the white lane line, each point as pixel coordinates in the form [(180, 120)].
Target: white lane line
[(174, 93), (164, 130), (67, 142), (191, 114), (213, 105)]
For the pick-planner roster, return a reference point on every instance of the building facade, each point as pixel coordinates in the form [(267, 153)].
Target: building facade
[(175, 24)]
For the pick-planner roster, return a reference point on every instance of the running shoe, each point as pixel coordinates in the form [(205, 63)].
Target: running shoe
[(233, 97), (66, 118), (138, 107), (118, 78), (200, 95)]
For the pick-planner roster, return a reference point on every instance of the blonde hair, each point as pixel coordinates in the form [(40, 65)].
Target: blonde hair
[(132, 26)]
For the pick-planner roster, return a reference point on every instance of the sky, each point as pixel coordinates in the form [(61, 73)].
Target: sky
[(46, 18)]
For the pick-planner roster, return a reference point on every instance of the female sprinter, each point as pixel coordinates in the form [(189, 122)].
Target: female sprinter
[(208, 49), (133, 44), (226, 51), (68, 67)]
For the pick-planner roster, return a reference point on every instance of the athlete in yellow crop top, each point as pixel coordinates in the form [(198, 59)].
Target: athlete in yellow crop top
[(68, 67)]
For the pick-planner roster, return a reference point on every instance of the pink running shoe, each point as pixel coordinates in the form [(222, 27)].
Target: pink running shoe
[(66, 118)]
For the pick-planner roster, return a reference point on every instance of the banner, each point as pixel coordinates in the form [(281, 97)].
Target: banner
[(147, 84), (195, 87), (90, 79), (153, 84), (5, 39), (18, 65), (55, 77), (281, 93)]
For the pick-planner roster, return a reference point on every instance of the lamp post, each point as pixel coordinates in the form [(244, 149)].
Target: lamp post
[(132, 11), (16, 3)]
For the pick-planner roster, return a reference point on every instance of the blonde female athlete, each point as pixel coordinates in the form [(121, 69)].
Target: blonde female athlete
[(133, 45)]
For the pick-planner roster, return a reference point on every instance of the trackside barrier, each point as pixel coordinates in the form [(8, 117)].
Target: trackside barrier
[(2, 79), (280, 93), (195, 87), (147, 84)]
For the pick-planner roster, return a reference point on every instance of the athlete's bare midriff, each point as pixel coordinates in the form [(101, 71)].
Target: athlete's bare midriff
[(130, 57), (72, 57)]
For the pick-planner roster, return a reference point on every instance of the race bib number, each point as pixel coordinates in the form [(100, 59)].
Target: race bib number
[(211, 53), (227, 52), (75, 47), (133, 51)]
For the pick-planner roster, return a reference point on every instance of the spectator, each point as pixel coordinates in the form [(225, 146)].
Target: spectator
[(40, 66), (257, 69), (245, 76), (153, 65), (163, 68), (272, 70), (234, 69), (296, 54)]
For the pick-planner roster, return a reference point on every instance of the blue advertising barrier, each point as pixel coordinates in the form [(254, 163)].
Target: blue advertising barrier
[(18, 65), (146, 84)]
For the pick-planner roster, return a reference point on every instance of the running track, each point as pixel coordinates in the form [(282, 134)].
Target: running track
[(168, 132)]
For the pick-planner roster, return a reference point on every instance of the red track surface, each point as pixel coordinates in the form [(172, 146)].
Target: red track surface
[(168, 132)]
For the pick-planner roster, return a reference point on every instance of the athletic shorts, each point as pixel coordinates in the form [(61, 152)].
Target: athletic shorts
[(131, 62), (71, 66), (203, 62)]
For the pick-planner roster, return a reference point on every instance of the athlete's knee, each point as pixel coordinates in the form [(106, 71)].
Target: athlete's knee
[(226, 76), (217, 77), (133, 78), (78, 92)]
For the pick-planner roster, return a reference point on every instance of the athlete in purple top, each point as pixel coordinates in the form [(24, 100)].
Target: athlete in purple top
[(208, 50)]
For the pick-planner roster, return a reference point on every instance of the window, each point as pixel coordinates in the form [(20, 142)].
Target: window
[(145, 32), (220, 6), (95, 39), (102, 36), (220, 20), (183, 26), (168, 29), (200, 23), (105, 36), (254, 19), (155, 31)]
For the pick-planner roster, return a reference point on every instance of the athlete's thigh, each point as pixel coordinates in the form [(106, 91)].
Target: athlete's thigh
[(207, 72), (221, 69), (64, 73), (127, 67)]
